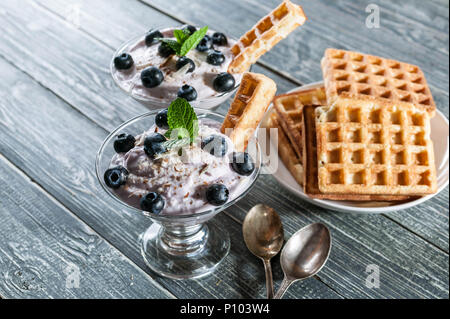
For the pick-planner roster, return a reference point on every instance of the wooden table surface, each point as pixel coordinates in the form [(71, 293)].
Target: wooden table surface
[(58, 102)]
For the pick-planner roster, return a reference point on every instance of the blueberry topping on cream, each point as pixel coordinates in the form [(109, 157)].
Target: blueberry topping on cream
[(242, 164), (187, 92), (183, 61), (217, 194), (190, 28), (151, 36), (219, 39), (215, 57), (165, 50), (123, 61), (224, 82), (124, 142), (205, 44), (153, 203), (152, 77), (161, 120), (153, 145), (115, 177), (216, 145)]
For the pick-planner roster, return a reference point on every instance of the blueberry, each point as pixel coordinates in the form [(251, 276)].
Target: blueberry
[(219, 38), (183, 61), (205, 44), (156, 137), (152, 77), (215, 57), (217, 194), (165, 50), (161, 119), (151, 36), (216, 145), (190, 28), (124, 143), (242, 164), (187, 92), (153, 144), (116, 177), (123, 61), (224, 82), (153, 203)]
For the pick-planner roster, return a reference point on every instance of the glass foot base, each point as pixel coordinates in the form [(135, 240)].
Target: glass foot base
[(171, 253)]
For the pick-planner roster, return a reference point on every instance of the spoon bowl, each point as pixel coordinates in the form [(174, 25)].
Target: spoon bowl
[(264, 236), (304, 255)]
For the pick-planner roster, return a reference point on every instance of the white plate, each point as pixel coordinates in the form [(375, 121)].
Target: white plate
[(439, 135)]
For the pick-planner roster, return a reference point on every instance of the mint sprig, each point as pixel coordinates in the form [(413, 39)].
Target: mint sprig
[(185, 41), (182, 120)]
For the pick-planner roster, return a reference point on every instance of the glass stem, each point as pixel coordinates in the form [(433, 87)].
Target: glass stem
[(180, 240)]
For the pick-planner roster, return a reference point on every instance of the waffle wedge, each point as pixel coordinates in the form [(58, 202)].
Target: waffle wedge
[(289, 108), (265, 35), (367, 146), (352, 74), (286, 150), (248, 107), (310, 165)]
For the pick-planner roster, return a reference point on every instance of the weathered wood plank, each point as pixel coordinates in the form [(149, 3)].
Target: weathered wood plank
[(429, 220), (432, 14), (61, 160), (280, 190), (331, 24), (41, 241)]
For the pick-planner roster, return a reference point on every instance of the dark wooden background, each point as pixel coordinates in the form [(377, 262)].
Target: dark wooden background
[(58, 102)]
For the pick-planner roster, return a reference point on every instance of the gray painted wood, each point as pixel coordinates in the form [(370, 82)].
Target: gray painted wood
[(66, 170), (77, 196), (41, 242)]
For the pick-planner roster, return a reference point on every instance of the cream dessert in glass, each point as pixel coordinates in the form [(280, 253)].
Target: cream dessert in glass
[(156, 68), (180, 180)]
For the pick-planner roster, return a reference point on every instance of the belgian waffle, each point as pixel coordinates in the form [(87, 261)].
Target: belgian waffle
[(248, 107), (352, 74), (286, 150), (289, 108), (310, 177), (367, 146), (265, 35)]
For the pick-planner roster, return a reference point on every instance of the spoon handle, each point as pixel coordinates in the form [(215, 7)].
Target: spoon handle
[(284, 286), (269, 279)]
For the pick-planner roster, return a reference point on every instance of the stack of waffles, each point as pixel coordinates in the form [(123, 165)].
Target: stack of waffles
[(364, 135)]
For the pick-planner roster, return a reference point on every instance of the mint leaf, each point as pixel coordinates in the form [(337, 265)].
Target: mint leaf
[(192, 41), (181, 36), (181, 118)]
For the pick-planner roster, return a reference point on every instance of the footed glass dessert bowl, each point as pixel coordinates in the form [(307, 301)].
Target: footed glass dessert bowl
[(183, 241), (149, 71)]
